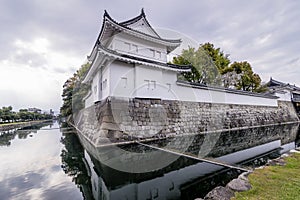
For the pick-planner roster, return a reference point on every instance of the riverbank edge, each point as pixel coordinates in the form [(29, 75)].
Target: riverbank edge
[(7, 127), (242, 184), (281, 162)]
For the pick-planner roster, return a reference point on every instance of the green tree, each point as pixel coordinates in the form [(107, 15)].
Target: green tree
[(7, 114), (203, 69), (210, 65), (220, 59), (207, 64), (74, 91), (67, 94), (1, 115), (246, 79), (24, 115)]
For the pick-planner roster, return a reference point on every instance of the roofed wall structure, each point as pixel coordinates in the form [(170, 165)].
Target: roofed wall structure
[(129, 59), (285, 92), (135, 92)]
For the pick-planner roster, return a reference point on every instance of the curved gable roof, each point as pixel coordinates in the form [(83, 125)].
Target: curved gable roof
[(140, 23), (111, 27)]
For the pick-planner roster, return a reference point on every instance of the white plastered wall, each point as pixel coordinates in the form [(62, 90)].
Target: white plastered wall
[(284, 95), (138, 47), (131, 80)]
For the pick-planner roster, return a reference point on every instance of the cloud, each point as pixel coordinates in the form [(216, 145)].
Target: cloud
[(56, 37), (42, 180)]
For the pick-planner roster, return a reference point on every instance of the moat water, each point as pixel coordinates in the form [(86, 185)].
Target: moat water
[(49, 162)]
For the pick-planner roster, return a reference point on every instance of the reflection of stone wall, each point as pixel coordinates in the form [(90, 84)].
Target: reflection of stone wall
[(232, 141), (121, 119), (219, 144)]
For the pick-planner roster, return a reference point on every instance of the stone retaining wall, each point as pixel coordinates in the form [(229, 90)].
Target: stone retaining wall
[(122, 119)]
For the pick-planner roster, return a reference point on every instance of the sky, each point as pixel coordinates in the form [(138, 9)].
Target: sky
[(42, 43)]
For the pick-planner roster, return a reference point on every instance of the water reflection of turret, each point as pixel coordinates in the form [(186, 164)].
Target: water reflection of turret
[(181, 178), (185, 178)]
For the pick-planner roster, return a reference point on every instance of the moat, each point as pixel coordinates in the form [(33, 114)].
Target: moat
[(49, 161)]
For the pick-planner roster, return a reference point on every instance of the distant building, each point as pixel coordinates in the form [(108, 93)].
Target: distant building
[(34, 110), (285, 92), (51, 112)]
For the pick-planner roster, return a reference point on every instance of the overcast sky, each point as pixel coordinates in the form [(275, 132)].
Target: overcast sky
[(42, 43)]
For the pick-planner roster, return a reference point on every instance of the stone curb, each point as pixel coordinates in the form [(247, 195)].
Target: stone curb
[(226, 193)]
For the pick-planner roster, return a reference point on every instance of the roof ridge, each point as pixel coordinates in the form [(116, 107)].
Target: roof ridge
[(172, 43), (135, 19), (128, 22), (106, 15)]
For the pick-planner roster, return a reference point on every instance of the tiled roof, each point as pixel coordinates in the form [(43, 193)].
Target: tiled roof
[(228, 90), (135, 59), (136, 19), (112, 27), (278, 84)]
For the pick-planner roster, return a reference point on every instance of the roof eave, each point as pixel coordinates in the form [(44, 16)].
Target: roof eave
[(132, 59), (108, 19)]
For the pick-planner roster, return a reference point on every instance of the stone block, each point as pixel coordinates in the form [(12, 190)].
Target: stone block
[(109, 126), (239, 185), (220, 193)]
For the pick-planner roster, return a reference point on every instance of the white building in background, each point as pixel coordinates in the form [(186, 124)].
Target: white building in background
[(129, 59), (285, 92), (34, 110)]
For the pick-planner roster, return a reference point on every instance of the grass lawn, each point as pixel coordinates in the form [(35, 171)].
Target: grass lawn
[(12, 123), (16, 123), (275, 182)]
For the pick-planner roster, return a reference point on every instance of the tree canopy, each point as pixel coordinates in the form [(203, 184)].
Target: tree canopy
[(203, 69), (210, 65), (74, 91), (220, 59), (8, 115), (244, 79)]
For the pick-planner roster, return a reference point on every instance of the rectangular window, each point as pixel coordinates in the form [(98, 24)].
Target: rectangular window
[(127, 46), (169, 86), (152, 53), (124, 82), (153, 85), (112, 46), (104, 84), (135, 48), (147, 82), (158, 53)]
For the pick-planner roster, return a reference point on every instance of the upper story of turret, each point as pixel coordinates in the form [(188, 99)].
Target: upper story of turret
[(134, 37)]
